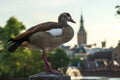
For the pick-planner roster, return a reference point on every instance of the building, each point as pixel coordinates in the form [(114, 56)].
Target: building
[(100, 60), (82, 35), (79, 50), (116, 54)]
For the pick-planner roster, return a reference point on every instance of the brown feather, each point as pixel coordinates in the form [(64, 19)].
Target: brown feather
[(23, 35), (40, 27)]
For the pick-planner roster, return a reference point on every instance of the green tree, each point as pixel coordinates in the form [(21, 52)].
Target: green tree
[(58, 58), (12, 28), (75, 61), (22, 62)]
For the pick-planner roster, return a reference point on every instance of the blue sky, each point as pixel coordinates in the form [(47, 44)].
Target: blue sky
[(100, 19)]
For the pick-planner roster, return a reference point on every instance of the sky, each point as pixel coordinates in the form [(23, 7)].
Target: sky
[(100, 20)]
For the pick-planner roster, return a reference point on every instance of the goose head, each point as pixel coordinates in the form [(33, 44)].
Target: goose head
[(64, 18)]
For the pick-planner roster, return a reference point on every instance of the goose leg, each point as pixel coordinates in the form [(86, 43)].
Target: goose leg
[(48, 68)]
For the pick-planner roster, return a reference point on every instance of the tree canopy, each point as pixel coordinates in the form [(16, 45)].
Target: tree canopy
[(22, 62), (12, 28), (58, 58)]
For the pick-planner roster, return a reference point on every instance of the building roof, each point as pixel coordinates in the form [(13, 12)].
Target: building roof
[(101, 55), (79, 49)]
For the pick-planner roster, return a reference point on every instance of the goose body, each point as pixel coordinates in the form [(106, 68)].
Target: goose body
[(45, 36), (49, 41)]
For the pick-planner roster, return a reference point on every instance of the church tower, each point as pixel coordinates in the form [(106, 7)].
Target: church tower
[(82, 35)]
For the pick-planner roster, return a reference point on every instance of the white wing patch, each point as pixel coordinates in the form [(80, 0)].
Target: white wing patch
[(55, 32)]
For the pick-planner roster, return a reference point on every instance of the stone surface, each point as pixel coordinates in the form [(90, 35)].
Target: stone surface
[(48, 76)]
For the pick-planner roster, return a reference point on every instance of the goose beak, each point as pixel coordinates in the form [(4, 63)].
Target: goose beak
[(71, 20)]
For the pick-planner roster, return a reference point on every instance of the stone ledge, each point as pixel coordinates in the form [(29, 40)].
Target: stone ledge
[(48, 76)]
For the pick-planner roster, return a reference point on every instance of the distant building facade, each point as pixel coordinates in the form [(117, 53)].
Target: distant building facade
[(101, 60)]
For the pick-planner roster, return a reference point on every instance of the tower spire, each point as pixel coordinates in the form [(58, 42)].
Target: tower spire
[(82, 35), (81, 24)]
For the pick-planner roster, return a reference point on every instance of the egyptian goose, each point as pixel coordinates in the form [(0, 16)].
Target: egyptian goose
[(45, 36)]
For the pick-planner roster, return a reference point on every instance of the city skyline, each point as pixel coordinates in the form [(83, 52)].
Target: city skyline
[(100, 20)]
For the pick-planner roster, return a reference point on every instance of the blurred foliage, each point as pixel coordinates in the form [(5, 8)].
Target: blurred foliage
[(58, 58), (118, 9), (76, 61), (21, 63), (12, 28), (24, 62)]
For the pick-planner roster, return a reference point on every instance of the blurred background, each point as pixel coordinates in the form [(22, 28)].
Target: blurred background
[(94, 48)]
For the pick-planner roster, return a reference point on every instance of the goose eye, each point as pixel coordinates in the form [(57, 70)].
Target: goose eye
[(69, 18)]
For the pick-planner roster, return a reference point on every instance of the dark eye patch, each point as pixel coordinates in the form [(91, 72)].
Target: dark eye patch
[(68, 14), (64, 16)]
